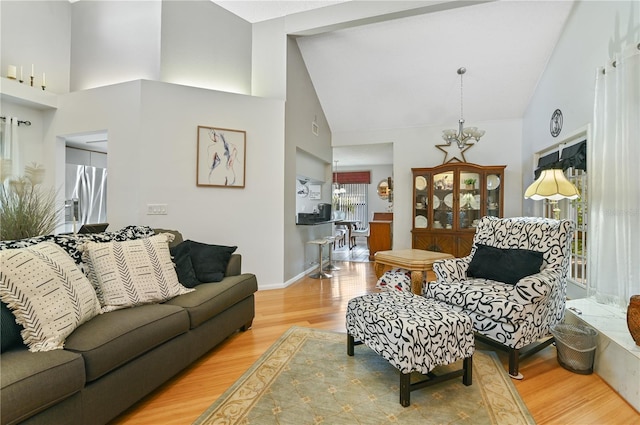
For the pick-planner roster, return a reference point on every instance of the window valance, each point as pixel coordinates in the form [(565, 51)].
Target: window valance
[(354, 177), (574, 156)]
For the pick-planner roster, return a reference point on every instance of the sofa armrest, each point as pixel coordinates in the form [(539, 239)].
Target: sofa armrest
[(537, 287), (451, 270), (234, 266)]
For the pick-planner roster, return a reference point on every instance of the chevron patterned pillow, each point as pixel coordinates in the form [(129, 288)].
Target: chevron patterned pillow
[(47, 293), (129, 273)]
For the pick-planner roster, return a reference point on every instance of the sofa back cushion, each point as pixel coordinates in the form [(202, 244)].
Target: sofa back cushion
[(47, 293), (9, 329), (134, 272), (550, 237)]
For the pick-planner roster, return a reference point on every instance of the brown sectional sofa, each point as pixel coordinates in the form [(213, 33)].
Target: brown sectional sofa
[(115, 359)]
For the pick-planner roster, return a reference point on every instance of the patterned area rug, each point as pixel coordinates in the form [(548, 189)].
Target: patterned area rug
[(306, 377)]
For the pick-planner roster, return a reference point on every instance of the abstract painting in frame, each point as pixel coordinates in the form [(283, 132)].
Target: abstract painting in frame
[(221, 157)]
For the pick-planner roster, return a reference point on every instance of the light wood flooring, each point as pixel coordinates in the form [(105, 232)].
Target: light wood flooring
[(552, 394)]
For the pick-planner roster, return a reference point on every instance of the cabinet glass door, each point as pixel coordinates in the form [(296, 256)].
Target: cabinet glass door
[(493, 195), (470, 200), (421, 191), (443, 202)]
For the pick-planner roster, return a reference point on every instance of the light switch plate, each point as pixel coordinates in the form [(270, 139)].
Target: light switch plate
[(157, 209)]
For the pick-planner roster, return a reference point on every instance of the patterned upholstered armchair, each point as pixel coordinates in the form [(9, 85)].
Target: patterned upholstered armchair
[(513, 315)]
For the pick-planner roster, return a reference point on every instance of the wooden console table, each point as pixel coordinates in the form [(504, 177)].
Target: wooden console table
[(418, 261)]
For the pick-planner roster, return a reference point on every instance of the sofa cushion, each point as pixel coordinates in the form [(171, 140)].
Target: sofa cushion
[(210, 299), (9, 329), (71, 243), (395, 279), (209, 261), (133, 272), (485, 297), (32, 382), (184, 266), (112, 339), (47, 293), (504, 265)]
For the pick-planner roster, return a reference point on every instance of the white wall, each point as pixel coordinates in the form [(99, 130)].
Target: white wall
[(152, 159), (195, 43), (203, 45), (114, 42), (38, 33), (315, 155), (415, 147), (593, 33)]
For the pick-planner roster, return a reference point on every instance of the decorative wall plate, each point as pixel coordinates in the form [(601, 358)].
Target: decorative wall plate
[(555, 126)]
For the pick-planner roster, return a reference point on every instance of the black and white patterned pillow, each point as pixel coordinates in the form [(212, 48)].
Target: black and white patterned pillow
[(47, 293), (134, 272), (72, 242), (23, 243)]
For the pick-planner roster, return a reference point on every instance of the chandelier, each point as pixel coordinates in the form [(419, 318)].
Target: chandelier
[(464, 133)]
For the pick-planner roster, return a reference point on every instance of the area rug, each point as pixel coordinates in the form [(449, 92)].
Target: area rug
[(306, 377)]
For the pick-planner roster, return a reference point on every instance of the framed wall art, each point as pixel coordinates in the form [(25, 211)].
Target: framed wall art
[(221, 158)]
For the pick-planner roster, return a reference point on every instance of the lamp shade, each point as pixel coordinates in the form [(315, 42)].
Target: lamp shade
[(553, 185)]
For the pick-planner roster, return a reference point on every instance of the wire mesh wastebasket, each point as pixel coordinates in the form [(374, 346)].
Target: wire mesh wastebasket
[(576, 346)]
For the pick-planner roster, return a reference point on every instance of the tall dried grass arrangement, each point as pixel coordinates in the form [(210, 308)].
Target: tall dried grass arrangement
[(27, 210)]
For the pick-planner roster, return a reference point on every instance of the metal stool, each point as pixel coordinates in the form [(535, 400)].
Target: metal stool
[(320, 274), (331, 266)]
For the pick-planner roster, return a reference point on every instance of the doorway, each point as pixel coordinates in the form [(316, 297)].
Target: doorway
[(377, 159)]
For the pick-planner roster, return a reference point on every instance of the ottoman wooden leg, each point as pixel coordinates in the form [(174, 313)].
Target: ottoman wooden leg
[(405, 389), (351, 342)]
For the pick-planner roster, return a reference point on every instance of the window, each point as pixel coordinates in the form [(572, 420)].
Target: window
[(354, 202), (571, 157), (576, 210)]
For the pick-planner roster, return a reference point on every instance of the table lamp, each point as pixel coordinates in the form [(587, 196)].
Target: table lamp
[(552, 185)]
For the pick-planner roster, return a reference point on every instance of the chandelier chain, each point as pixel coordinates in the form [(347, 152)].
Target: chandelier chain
[(461, 98)]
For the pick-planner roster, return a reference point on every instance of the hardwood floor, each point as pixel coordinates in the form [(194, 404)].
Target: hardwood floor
[(552, 394)]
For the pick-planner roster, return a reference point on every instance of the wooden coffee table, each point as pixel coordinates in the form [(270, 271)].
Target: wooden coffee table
[(418, 261)]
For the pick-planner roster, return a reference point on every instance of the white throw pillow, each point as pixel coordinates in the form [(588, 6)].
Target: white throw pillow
[(129, 273), (47, 293)]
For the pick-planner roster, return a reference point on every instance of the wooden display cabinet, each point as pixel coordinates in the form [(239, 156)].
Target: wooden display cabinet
[(448, 202)]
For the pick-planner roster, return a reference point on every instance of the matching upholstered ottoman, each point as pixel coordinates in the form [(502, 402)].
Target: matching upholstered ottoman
[(415, 334)]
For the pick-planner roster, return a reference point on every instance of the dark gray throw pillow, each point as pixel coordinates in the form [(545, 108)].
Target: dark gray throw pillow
[(184, 268), (504, 265), (210, 261), (9, 330)]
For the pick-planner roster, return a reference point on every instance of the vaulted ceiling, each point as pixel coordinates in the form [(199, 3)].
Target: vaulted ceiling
[(401, 72)]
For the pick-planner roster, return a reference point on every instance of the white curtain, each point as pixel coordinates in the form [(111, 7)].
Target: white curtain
[(9, 150), (614, 182)]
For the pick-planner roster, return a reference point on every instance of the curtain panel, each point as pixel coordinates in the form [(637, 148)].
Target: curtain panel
[(614, 175)]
